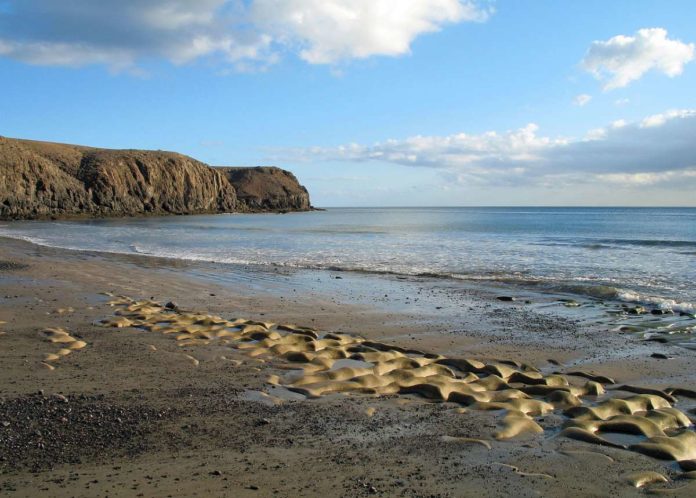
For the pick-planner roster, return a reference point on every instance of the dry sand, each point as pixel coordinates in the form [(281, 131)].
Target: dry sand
[(108, 396)]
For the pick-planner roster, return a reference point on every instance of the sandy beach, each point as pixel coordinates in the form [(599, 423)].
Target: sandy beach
[(347, 248), (134, 412)]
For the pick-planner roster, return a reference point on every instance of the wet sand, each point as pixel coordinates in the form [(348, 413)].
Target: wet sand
[(138, 411)]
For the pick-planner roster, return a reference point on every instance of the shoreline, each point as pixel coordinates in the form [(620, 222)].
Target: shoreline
[(637, 295), (392, 307), (206, 415), (641, 315)]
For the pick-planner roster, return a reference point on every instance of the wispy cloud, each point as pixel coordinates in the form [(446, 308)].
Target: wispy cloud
[(582, 99), (245, 34), (622, 59), (657, 149)]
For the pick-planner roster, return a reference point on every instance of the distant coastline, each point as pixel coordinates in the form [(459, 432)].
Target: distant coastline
[(44, 180)]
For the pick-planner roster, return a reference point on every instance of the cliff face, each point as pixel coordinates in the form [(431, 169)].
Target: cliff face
[(33, 186), (267, 189), (134, 182), (41, 180)]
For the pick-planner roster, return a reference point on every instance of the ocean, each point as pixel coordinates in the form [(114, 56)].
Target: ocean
[(633, 255)]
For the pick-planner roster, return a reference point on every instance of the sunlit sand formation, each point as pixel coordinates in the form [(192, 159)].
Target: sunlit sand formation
[(61, 337), (320, 364)]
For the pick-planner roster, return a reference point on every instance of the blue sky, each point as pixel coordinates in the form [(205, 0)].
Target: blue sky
[(374, 102)]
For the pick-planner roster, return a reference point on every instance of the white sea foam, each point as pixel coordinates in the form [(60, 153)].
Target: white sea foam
[(657, 302)]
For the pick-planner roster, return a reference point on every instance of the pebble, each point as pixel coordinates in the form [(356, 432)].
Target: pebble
[(661, 356)]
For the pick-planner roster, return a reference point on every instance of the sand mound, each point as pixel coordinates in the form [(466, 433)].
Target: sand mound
[(62, 337), (321, 364)]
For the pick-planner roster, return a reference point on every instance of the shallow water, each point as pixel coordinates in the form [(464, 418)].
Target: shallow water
[(635, 255)]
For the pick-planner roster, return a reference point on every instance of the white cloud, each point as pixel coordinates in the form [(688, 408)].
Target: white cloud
[(662, 118), (655, 150), (329, 31), (582, 99), (648, 179), (623, 59), (120, 33), (475, 152)]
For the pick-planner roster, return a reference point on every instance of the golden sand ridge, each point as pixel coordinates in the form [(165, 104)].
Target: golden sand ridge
[(62, 337), (320, 364)]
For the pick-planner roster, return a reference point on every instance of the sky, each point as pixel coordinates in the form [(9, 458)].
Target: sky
[(375, 102)]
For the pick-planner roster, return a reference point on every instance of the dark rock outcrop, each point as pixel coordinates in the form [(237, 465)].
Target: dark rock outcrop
[(42, 180), (266, 188), (34, 186)]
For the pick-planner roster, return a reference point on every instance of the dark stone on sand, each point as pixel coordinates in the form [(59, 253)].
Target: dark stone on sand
[(12, 266), (660, 356), (657, 338), (46, 431), (171, 305), (505, 298)]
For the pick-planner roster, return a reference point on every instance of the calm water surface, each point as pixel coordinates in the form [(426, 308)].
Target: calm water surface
[(642, 255)]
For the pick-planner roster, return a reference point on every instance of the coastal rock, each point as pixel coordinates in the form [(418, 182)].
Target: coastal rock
[(133, 182), (34, 186), (49, 180), (267, 188)]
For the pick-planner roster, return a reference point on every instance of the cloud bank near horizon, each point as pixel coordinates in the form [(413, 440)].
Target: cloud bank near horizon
[(654, 151), (122, 33)]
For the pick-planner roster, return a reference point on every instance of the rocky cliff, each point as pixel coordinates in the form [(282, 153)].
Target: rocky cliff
[(266, 188), (44, 180)]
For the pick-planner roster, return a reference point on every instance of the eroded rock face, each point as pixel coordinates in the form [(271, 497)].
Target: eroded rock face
[(32, 186), (133, 182), (266, 188), (42, 180)]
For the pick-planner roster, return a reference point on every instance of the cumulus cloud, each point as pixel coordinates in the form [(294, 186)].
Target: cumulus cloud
[(120, 33), (657, 149), (582, 99), (328, 31), (623, 59)]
